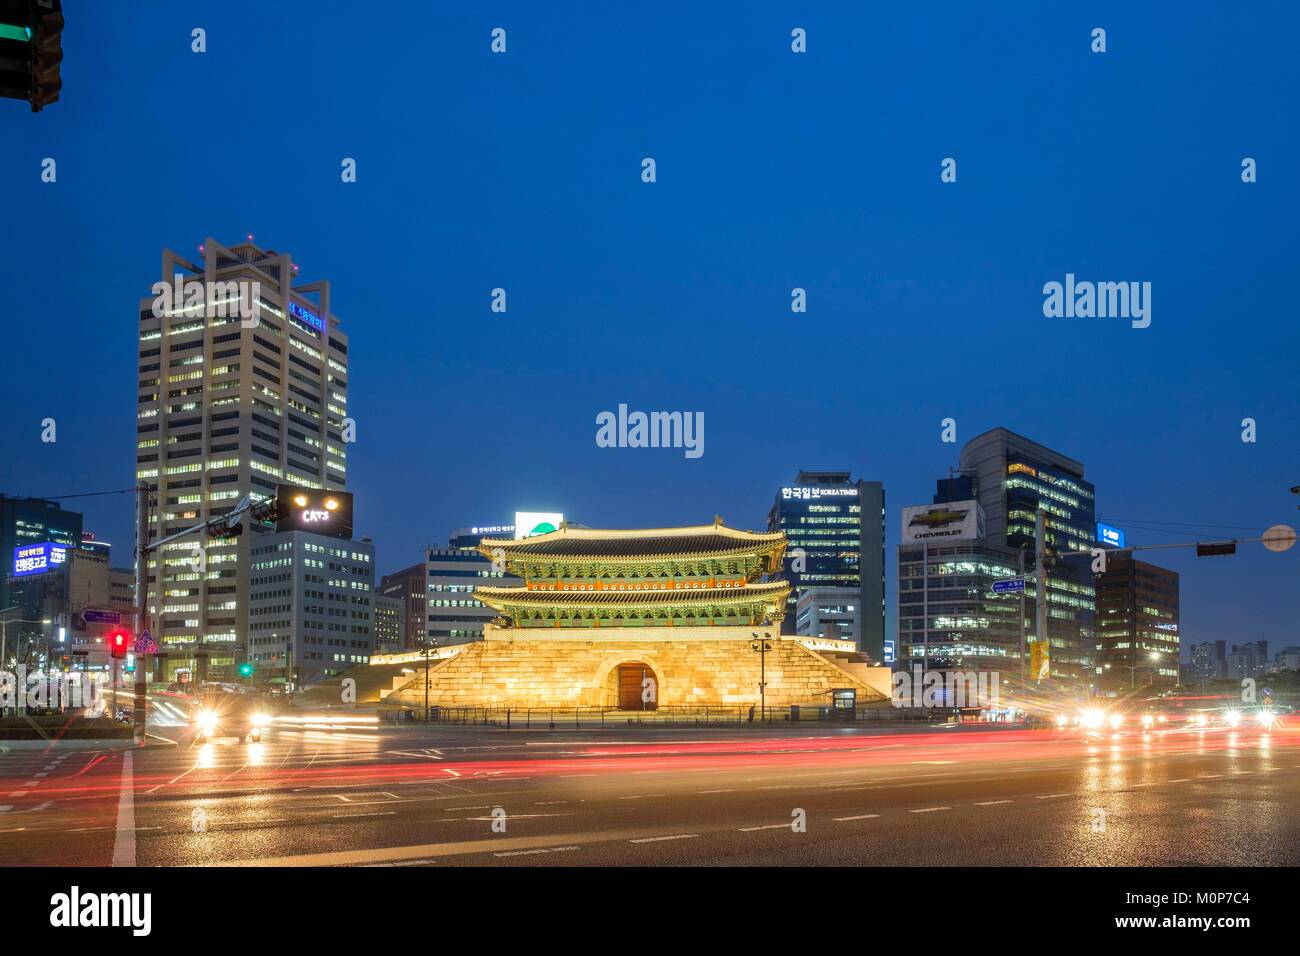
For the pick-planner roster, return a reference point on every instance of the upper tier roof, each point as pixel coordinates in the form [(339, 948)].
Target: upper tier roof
[(643, 542)]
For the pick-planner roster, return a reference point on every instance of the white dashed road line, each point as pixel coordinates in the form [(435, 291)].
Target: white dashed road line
[(675, 836), (864, 816), (929, 810), (990, 803)]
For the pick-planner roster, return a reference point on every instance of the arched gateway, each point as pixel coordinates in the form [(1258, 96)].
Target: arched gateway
[(648, 619)]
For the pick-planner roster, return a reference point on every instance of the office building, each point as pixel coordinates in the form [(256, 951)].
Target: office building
[(390, 633), (1288, 659), (836, 532), (242, 385), (1136, 625), (36, 536), (950, 617), (408, 587), (311, 610), (1014, 477)]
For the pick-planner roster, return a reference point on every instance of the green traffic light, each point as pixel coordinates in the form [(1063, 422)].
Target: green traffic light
[(245, 670)]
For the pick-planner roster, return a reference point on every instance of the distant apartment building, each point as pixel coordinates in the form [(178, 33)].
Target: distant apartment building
[(242, 384), (1209, 662), (1248, 660), (1288, 659)]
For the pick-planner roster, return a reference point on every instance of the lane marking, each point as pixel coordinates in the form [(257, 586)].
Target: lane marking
[(381, 813), (864, 816), (1051, 796), (770, 826), (551, 849), (990, 803), (124, 843), (715, 791), (676, 836), (929, 810)]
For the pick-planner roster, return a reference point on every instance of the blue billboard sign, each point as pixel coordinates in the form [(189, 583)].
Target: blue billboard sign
[(1009, 586), (889, 652), (1109, 537), (39, 558)]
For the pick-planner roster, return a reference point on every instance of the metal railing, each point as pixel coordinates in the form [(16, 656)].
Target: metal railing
[(577, 718)]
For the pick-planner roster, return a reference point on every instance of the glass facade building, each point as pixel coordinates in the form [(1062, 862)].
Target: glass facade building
[(1014, 477), (836, 532)]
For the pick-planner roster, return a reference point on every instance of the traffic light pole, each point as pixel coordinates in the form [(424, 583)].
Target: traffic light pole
[(143, 661)]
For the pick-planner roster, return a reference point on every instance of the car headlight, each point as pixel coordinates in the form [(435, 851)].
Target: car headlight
[(1232, 718), (1266, 718), (1092, 718), (1148, 721), (1062, 720), (261, 720), (1116, 721), (207, 721)]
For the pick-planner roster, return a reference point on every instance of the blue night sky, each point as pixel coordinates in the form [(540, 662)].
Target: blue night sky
[(775, 170)]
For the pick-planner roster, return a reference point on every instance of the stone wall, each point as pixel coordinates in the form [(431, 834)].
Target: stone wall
[(695, 666)]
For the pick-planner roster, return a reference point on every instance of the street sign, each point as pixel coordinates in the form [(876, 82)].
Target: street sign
[(1009, 586), (92, 616), (145, 644)]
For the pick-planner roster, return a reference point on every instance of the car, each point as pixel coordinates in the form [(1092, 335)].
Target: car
[(242, 716)]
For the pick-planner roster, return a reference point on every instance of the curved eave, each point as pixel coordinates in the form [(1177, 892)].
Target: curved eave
[(502, 598)]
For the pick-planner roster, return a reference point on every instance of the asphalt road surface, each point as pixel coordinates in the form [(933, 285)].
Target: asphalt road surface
[(813, 794)]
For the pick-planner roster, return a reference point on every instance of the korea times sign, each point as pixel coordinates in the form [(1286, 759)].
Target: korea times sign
[(39, 558)]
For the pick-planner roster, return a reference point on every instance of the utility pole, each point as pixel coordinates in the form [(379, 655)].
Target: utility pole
[(762, 647), (143, 661), (1023, 649), (1040, 576)]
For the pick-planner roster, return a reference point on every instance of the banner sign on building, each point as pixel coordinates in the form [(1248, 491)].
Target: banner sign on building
[(529, 523), (1109, 537), (953, 521), (318, 510), (39, 558)]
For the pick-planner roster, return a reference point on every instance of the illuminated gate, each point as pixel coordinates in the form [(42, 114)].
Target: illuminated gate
[(633, 691)]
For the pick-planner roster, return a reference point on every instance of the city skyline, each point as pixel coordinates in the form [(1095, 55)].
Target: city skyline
[(696, 270)]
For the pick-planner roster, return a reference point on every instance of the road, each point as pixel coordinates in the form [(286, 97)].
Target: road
[(468, 796)]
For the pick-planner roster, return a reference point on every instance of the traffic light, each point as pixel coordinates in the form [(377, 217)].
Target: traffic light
[(118, 643), (1209, 549), (31, 50), (246, 669)]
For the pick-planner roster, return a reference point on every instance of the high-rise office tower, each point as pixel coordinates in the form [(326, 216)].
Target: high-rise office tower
[(1014, 478), (242, 385), (1137, 624), (836, 532)]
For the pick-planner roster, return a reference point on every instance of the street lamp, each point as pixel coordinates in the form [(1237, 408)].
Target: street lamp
[(429, 643), (761, 647), (1134, 668)]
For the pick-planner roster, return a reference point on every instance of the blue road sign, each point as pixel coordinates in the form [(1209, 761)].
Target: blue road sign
[(1009, 586), (101, 617)]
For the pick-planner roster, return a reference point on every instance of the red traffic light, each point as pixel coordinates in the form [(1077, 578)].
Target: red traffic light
[(118, 643)]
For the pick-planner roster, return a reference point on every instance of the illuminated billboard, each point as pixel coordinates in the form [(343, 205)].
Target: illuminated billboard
[(317, 510), (954, 521), (39, 558), (1109, 537), (529, 523)]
